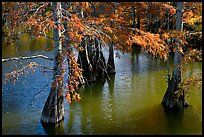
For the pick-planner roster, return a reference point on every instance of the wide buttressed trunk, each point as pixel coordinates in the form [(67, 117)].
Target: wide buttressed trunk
[(170, 100), (53, 111), (92, 61)]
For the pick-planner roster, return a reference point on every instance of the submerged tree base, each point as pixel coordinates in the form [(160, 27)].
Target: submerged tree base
[(54, 129), (176, 106), (92, 61), (170, 100), (51, 120), (53, 111)]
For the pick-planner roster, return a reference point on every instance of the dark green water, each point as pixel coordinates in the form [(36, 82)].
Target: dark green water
[(130, 103)]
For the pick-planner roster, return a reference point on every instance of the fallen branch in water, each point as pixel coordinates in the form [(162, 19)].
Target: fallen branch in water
[(31, 57)]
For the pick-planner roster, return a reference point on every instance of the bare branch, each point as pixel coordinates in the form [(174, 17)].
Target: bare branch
[(38, 10), (66, 12), (31, 57), (44, 67), (13, 76)]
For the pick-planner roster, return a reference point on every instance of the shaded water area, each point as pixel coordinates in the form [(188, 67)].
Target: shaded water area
[(130, 103)]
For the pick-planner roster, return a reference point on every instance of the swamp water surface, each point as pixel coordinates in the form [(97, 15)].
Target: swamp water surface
[(129, 103)]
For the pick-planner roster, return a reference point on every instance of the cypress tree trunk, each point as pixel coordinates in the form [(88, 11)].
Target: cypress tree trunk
[(169, 99), (66, 41), (138, 16), (53, 111), (133, 15), (111, 63), (100, 67), (85, 62), (138, 20), (92, 61)]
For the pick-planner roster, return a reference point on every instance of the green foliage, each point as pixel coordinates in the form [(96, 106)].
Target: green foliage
[(7, 38)]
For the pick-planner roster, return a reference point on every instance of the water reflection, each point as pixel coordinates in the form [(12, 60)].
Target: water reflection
[(111, 85), (108, 104), (57, 129), (25, 46), (92, 111), (135, 53), (174, 120), (129, 103), (141, 61)]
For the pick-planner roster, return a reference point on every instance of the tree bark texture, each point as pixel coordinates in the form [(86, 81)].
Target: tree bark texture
[(53, 111), (111, 63), (169, 99), (92, 61)]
